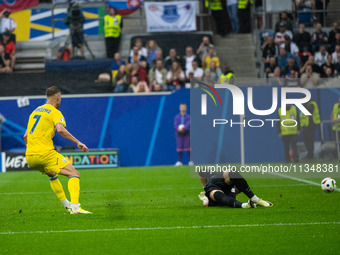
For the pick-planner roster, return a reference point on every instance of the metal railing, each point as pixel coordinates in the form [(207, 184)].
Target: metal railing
[(336, 134)]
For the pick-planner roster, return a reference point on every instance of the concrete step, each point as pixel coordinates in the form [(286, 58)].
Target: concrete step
[(125, 45), (244, 73), (97, 47), (28, 45), (30, 60), (244, 69), (29, 66), (31, 56), (133, 25), (233, 37), (29, 70), (238, 51), (97, 55), (238, 60), (239, 63), (31, 53), (238, 57), (239, 48), (229, 54), (100, 44), (236, 54), (247, 76), (240, 40), (233, 44)]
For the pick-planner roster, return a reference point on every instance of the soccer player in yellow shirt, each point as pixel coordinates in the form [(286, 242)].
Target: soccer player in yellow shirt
[(40, 152)]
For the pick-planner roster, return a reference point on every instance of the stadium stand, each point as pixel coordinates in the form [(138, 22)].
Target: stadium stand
[(32, 56), (39, 57), (312, 42)]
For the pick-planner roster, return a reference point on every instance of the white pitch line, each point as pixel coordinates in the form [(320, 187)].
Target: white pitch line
[(171, 228), (164, 189), (300, 180)]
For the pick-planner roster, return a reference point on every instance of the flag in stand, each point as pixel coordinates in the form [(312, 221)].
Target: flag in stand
[(17, 5), (125, 7)]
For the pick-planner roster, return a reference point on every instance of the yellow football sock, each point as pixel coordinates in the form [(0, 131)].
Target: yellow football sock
[(73, 188), (57, 187)]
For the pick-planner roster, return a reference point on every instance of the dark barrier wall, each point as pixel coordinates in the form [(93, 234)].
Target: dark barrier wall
[(70, 82), (79, 65), (141, 127)]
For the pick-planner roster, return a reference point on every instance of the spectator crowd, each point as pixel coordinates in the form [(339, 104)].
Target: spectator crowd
[(302, 58), (147, 70), (7, 42)]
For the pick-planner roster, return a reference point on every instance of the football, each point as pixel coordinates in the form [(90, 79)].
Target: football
[(328, 184), (181, 127)]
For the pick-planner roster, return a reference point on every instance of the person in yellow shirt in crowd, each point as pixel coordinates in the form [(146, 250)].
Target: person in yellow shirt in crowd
[(210, 56)]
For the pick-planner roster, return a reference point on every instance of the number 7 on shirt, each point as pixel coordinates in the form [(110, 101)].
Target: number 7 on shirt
[(36, 122)]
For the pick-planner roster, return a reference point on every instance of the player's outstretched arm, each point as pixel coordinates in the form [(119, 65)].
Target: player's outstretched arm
[(67, 135)]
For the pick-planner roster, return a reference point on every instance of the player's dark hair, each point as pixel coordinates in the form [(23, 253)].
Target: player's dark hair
[(51, 91)]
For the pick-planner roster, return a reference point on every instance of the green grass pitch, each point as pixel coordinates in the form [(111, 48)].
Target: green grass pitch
[(156, 210)]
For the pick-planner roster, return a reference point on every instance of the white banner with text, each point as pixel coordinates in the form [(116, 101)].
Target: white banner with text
[(170, 16)]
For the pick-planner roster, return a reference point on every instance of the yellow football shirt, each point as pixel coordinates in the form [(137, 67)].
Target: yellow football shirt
[(208, 61), (41, 129)]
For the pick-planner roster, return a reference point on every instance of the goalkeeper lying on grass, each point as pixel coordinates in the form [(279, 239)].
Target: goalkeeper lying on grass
[(221, 190)]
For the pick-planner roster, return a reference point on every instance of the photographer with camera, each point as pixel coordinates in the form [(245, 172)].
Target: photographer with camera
[(75, 20), (204, 47), (7, 24)]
